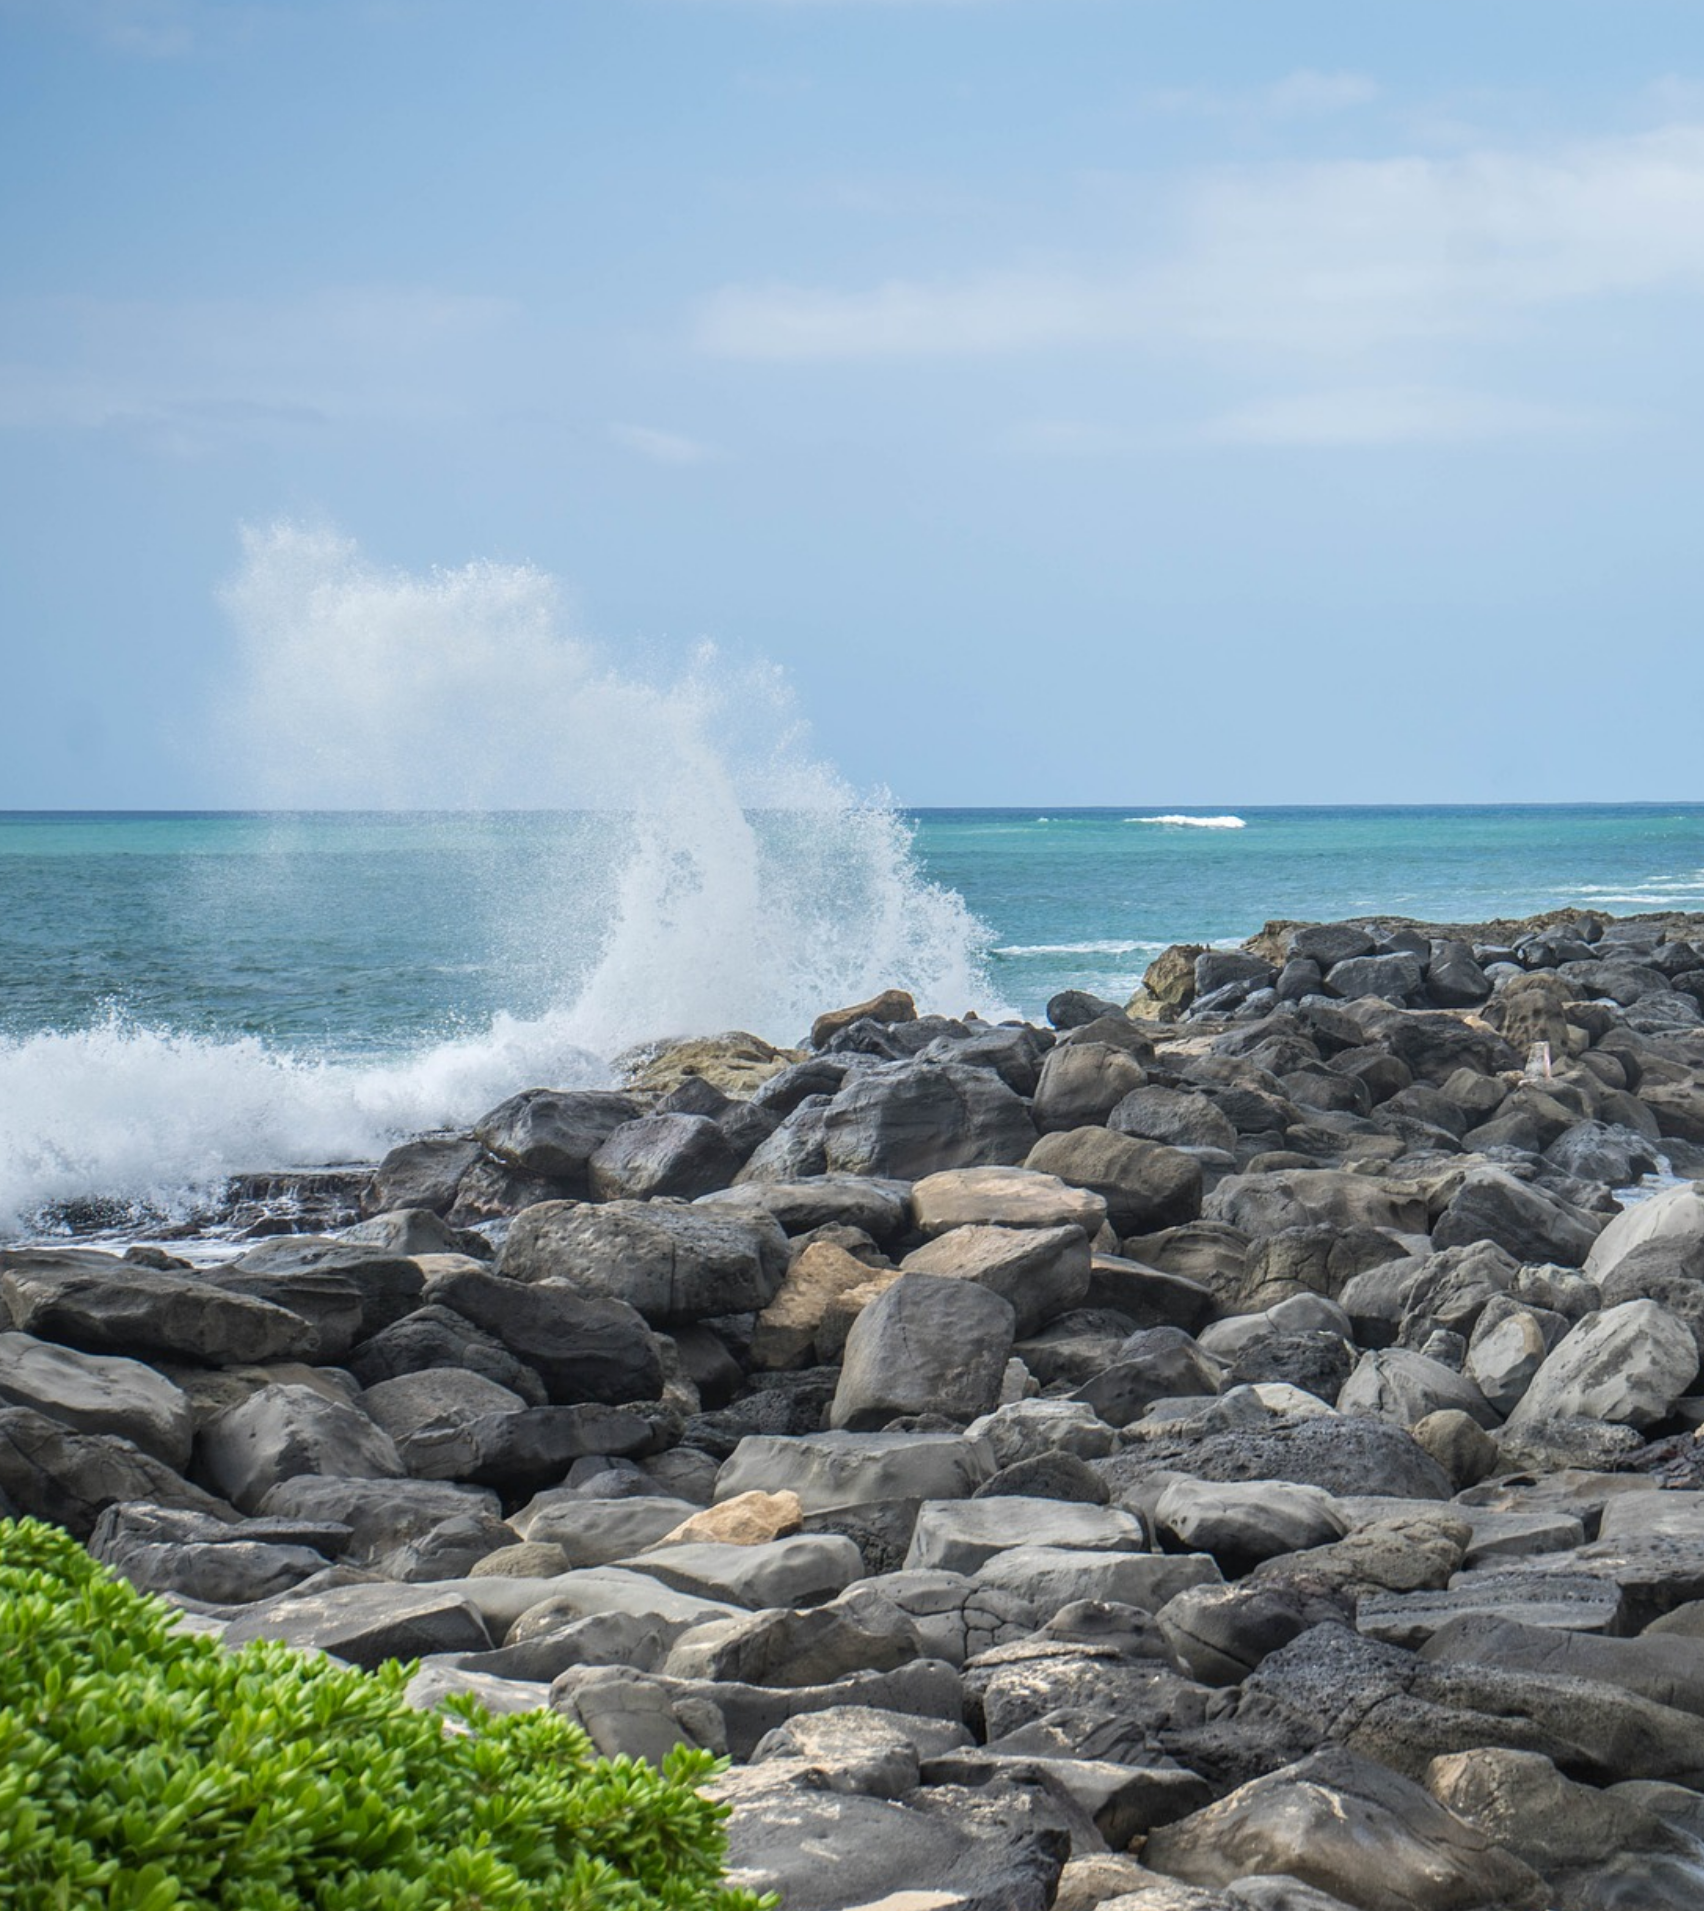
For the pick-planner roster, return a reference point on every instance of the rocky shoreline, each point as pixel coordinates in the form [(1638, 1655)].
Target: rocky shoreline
[(1233, 1450)]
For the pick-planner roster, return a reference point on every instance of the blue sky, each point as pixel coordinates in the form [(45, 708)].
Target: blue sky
[(1081, 400)]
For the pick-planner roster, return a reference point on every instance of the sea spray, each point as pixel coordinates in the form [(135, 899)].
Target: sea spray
[(721, 874), (701, 869)]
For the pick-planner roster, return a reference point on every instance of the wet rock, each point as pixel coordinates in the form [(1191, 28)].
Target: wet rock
[(553, 1135), (421, 1174), (683, 1155)]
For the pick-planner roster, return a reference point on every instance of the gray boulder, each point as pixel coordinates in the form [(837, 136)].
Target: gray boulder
[(911, 1119), (683, 1155), (998, 1845), (49, 1471), (380, 1514), (104, 1305), (1403, 1387), (1627, 1365), (670, 1262), (1243, 1522), (961, 1536), (96, 1393), (1145, 1185), (1081, 1083), (829, 1470), (438, 1339), (1172, 1116), (1533, 1226), (553, 1134), (582, 1346), (924, 1345), (421, 1174), (1349, 1827), (279, 1432), (366, 1625), (219, 1562)]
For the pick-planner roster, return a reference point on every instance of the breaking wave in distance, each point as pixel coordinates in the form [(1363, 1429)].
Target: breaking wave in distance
[(1192, 822), (721, 875)]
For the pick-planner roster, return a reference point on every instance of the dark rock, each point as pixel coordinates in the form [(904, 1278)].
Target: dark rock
[(1072, 1008), (664, 1154), (52, 1472), (219, 1562), (421, 1174), (1145, 1186), (582, 1346), (379, 1514), (670, 1262), (280, 1432), (925, 1345), (438, 1337), (1328, 943), (552, 1134), (104, 1305), (910, 1119), (1532, 1226)]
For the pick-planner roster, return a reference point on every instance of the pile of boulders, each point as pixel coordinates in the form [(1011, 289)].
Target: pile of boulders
[(1241, 1455)]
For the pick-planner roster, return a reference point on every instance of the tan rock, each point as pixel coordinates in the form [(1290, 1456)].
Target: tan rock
[(892, 1005), (531, 1559), (1168, 988), (787, 1330), (748, 1519), (845, 1308), (736, 1063)]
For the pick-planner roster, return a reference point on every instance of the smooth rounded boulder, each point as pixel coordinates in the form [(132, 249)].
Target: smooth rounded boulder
[(1145, 1185)]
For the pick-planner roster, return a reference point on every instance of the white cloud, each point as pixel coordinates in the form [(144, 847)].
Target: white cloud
[(1392, 415), (662, 447), (1332, 256)]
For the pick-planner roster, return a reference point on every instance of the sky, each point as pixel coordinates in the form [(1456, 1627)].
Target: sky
[(1080, 401)]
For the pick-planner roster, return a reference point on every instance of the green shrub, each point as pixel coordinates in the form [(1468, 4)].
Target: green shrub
[(144, 1769)]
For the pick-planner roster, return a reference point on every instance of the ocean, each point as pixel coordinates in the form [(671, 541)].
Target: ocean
[(186, 996)]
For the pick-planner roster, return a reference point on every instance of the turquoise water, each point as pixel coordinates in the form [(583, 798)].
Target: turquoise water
[(184, 995)]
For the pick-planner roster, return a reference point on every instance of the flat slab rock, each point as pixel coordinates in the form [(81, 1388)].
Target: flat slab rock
[(368, 1624)]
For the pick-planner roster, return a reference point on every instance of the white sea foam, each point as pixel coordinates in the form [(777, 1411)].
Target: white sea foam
[(730, 878), (1078, 948), (1192, 822)]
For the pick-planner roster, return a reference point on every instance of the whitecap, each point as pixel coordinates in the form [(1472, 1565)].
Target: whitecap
[(1192, 822)]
